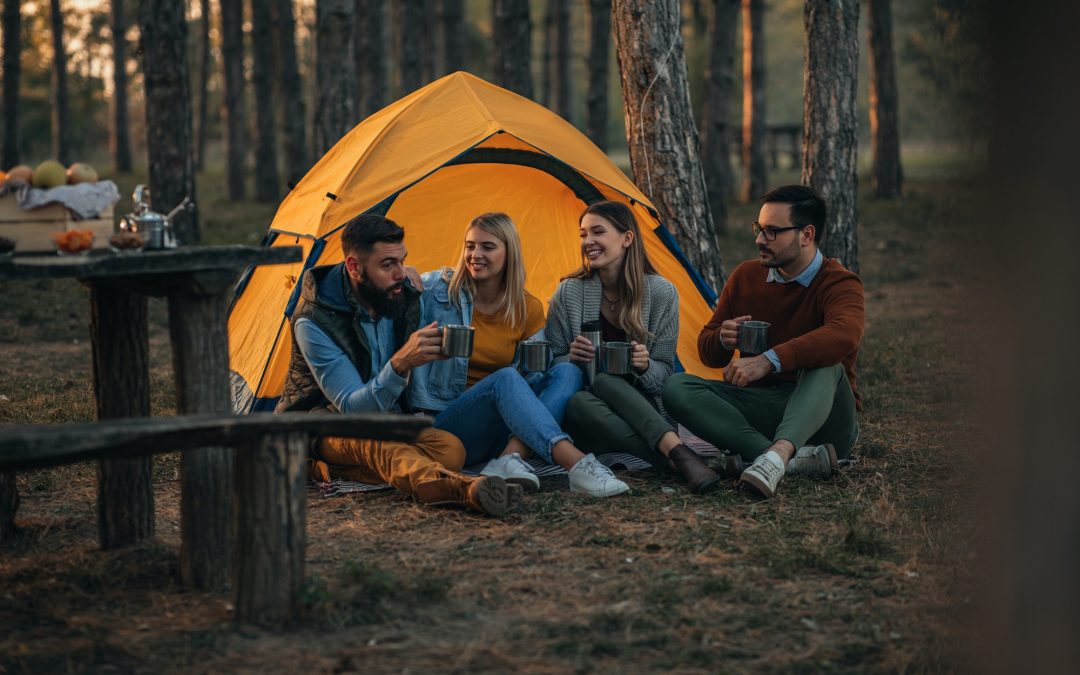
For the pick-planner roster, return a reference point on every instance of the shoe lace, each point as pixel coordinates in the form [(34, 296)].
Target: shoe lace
[(598, 471), (770, 470)]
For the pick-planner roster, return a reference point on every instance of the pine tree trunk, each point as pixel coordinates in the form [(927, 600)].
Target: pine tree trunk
[(561, 65), (430, 31), (547, 56), (335, 107), (596, 100), (716, 127), (831, 127), (163, 47), (660, 131), (232, 51), (267, 187), (204, 85), (121, 133), (12, 67), (409, 19), (371, 55), (292, 95), (61, 123), (887, 173), (452, 32), (755, 176), (512, 46)]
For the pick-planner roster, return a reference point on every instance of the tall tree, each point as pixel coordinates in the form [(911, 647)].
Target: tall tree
[(204, 84), (232, 51), (12, 67), (267, 187), (831, 127), (555, 77), (887, 176), (371, 55), (61, 122), (121, 132), (596, 98), (660, 129), (547, 49), (716, 127), (452, 35), (429, 55), (163, 47), (755, 174), (335, 106), (409, 17), (512, 45), (292, 95)]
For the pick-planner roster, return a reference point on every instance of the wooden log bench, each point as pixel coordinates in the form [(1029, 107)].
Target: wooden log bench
[(269, 494)]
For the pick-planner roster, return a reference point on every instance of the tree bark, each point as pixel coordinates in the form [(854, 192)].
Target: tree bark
[(561, 63), (831, 136), (12, 68), (452, 33), (267, 186), (197, 327), (716, 127), (232, 52), (292, 95), (429, 30), (596, 100), (204, 85), (660, 131), (755, 173), (547, 54), (9, 504), (887, 176), (121, 131), (512, 46), (118, 328), (408, 20), (371, 55), (163, 30), (61, 121), (271, 529), (335, 107)]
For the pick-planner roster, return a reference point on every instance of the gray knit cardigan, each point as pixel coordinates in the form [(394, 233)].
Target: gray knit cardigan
[(578, 300)]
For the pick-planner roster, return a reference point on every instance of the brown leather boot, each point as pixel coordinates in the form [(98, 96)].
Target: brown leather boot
[(487, 494), (699, 478)]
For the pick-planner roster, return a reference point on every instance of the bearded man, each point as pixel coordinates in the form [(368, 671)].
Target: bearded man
[(355, 341), (791, 409)]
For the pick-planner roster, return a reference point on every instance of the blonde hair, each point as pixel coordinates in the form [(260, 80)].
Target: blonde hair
[(511, 307), (635, 266)]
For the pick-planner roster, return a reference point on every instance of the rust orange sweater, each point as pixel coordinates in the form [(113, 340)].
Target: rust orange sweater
[(811, 327)]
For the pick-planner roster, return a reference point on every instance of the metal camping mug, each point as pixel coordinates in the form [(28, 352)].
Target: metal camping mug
[(590, 330), (753, 337), (615, 358), (535, 355), (457, 340)]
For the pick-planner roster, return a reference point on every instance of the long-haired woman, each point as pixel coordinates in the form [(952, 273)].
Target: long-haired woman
[(618, 286), (482, 399)]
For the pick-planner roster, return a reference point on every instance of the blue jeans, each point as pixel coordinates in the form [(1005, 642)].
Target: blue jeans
[(504, 404)]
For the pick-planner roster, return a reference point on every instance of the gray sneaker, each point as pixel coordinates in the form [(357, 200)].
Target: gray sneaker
[(595, 479), (814, 461), (512, 469), (763, 476)]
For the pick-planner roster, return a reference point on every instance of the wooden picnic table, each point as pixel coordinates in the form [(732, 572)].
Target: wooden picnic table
[(197, 282)]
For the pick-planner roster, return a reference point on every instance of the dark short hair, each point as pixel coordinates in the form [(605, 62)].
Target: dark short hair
[(807, 207), (363, 232)]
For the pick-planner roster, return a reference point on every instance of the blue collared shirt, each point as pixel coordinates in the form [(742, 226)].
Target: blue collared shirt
[(338, 377), (804, 279)]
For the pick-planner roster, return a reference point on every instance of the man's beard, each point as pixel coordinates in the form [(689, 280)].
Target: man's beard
[(380, 300), (780, 258)]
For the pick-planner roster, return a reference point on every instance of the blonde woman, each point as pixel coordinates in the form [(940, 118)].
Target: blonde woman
[(482, 399), (617, 286)]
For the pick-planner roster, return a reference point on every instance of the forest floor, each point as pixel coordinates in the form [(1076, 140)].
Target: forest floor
[(873, 571)]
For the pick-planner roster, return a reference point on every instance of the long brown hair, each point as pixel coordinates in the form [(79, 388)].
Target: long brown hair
[(634, 268), (512, 307)]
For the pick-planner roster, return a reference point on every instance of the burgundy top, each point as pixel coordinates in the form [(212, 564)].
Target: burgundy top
[(610, 332)]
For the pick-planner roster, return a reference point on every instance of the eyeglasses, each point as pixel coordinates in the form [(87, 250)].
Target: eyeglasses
[(771, 232)]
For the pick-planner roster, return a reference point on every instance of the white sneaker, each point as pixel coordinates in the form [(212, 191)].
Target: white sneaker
[(814, 461), (763, 476), (595, 479), (512, 469)]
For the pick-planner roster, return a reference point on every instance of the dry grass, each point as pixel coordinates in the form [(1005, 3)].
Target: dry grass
[(871, 572)]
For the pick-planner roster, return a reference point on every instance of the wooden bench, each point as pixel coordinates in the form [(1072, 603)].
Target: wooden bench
[(270, 483)]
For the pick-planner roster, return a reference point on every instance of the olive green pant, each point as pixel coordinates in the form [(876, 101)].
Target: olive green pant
[(616, 417), (817, 408)]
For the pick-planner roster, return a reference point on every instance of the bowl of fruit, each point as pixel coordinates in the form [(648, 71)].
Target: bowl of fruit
[(74, 242), (126, 242)]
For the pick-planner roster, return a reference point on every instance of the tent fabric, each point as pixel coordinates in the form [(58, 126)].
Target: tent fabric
[(432, 161)]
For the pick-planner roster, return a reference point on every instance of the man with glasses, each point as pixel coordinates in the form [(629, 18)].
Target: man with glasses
[(790, 410)]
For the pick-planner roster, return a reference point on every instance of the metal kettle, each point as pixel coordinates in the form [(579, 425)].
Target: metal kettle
[(155, 228)]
